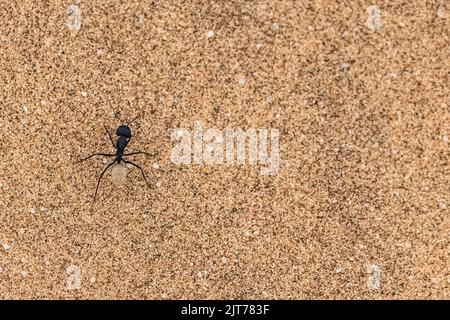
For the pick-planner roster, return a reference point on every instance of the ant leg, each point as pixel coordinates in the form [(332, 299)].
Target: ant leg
[(110, 137), (142, 171), (139, 152), (100, 178), (97, 154)]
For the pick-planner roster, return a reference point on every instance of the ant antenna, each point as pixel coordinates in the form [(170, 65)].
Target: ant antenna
[(118, 117), (139, 114), (127, 122)]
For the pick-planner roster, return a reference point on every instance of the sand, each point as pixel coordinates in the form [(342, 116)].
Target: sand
[(359, 207)]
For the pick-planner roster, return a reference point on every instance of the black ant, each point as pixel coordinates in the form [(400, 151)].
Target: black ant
[(124, 136)]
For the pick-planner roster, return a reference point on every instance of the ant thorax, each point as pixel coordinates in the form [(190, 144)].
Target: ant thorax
[(121, 143)]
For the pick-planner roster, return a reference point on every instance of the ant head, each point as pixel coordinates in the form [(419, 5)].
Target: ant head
[(124, 131)]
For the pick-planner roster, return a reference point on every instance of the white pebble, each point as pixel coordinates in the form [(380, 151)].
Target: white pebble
[(445, 138), (338, 269), (25, 108), (392, 74), (6, 246), (210, 34), (440, 12), (242, 82), (74, 17), (33, 210), (374, 19), (199, 274), (373, 277), (258, 46), (84, 93), (179, 133), (158, 184), (92, 279), (275, 26), (155, 166), (24, 274), (224, 259), (269, 99)]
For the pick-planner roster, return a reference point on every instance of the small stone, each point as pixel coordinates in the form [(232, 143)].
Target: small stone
[(6, 246), (92, 279), (84, 93), (33, 210), (210, 34), (275, 26), (338, 269), (25, 108), (24, 274), (199, 274), (155, 166), (224, 260), (392, 74), (158, 184), (445, 138), (119, 174), (269, 99), (258, 46), (242, 82)]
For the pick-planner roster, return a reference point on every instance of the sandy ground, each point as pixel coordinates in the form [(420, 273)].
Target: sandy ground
[(358, 209)]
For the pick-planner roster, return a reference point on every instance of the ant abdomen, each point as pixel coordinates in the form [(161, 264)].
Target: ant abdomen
[(124, 131)]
